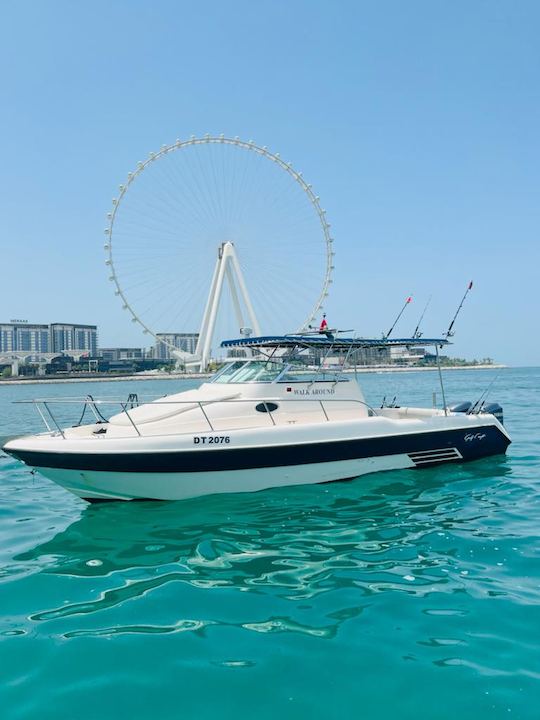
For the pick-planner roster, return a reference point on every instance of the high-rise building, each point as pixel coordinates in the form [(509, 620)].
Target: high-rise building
[(187, 342), (66, 337), (21, 336)]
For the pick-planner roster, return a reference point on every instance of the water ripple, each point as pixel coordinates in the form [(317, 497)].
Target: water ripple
[(367, 590)]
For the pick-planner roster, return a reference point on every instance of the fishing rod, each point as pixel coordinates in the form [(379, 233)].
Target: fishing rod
[(407, 301), (449, 332), (479, 403), (417, 334)]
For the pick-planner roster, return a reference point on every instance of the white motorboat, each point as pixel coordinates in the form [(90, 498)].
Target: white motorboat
[(258, 423)]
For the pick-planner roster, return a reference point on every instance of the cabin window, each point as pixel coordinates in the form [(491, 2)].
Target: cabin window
[(224, 375), (250, 371)]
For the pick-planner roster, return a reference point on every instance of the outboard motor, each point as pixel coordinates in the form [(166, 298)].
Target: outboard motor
[(493, 409), (462, 407)]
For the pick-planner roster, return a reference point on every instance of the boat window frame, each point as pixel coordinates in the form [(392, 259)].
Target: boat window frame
[(224, 371), (280, 377)]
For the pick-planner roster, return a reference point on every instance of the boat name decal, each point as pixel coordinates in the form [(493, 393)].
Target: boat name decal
[(211, 439), (315, 391), (470, 437)]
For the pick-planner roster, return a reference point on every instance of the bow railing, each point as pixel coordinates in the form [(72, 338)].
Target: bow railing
[(53, 425)]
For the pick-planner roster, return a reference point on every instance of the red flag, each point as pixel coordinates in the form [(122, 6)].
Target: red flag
[(409, 299)]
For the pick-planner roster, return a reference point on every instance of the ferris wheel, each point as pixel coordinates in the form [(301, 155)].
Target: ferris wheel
[(210, 213)]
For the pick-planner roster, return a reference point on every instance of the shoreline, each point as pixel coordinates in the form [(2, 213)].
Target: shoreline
[(47, 380)]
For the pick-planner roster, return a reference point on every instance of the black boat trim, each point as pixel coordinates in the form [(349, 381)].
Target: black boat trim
[(491, 441)]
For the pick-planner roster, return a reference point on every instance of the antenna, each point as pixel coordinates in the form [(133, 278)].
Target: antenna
[(417, 333), (407, 301), (449, 332)]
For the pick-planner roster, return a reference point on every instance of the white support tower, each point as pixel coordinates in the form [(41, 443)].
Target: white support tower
[(227, 266)]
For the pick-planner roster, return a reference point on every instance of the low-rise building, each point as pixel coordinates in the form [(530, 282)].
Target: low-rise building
[(407, 355), (119, 354)]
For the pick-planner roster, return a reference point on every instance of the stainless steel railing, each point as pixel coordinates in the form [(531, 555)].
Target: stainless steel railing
[(42, 407)]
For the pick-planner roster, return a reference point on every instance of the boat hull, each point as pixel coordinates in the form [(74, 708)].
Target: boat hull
[(180, 474)]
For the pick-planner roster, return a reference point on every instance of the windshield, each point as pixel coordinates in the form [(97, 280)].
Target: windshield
[(249, 371)]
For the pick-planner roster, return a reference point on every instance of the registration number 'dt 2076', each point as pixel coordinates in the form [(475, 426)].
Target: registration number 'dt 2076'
[(211, 439)]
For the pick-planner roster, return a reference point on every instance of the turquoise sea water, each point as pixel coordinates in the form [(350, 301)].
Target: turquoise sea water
[(410, 594)]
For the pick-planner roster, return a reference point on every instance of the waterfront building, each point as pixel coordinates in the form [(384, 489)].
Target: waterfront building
[(187, 342), (407, 355), (119, 354), (21, 336), (368, 356), (67, 337)]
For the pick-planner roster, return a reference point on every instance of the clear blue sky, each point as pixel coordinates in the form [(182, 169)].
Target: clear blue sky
[(417, 123)]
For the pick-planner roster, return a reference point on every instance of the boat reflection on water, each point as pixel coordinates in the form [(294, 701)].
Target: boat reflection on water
[(387, 533)]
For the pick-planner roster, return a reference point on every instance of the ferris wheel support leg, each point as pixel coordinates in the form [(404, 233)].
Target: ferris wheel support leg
[(203, 332), (234, 295), (242, 285), (236, 302), (227, 265), (209, 321)]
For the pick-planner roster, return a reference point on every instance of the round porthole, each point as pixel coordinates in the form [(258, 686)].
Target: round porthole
[(266, 407)]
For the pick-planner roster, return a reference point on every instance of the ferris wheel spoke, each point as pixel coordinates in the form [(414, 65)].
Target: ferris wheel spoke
[(158, 215), (162, 206), (199, 184), (158, 301), (187, 201)]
